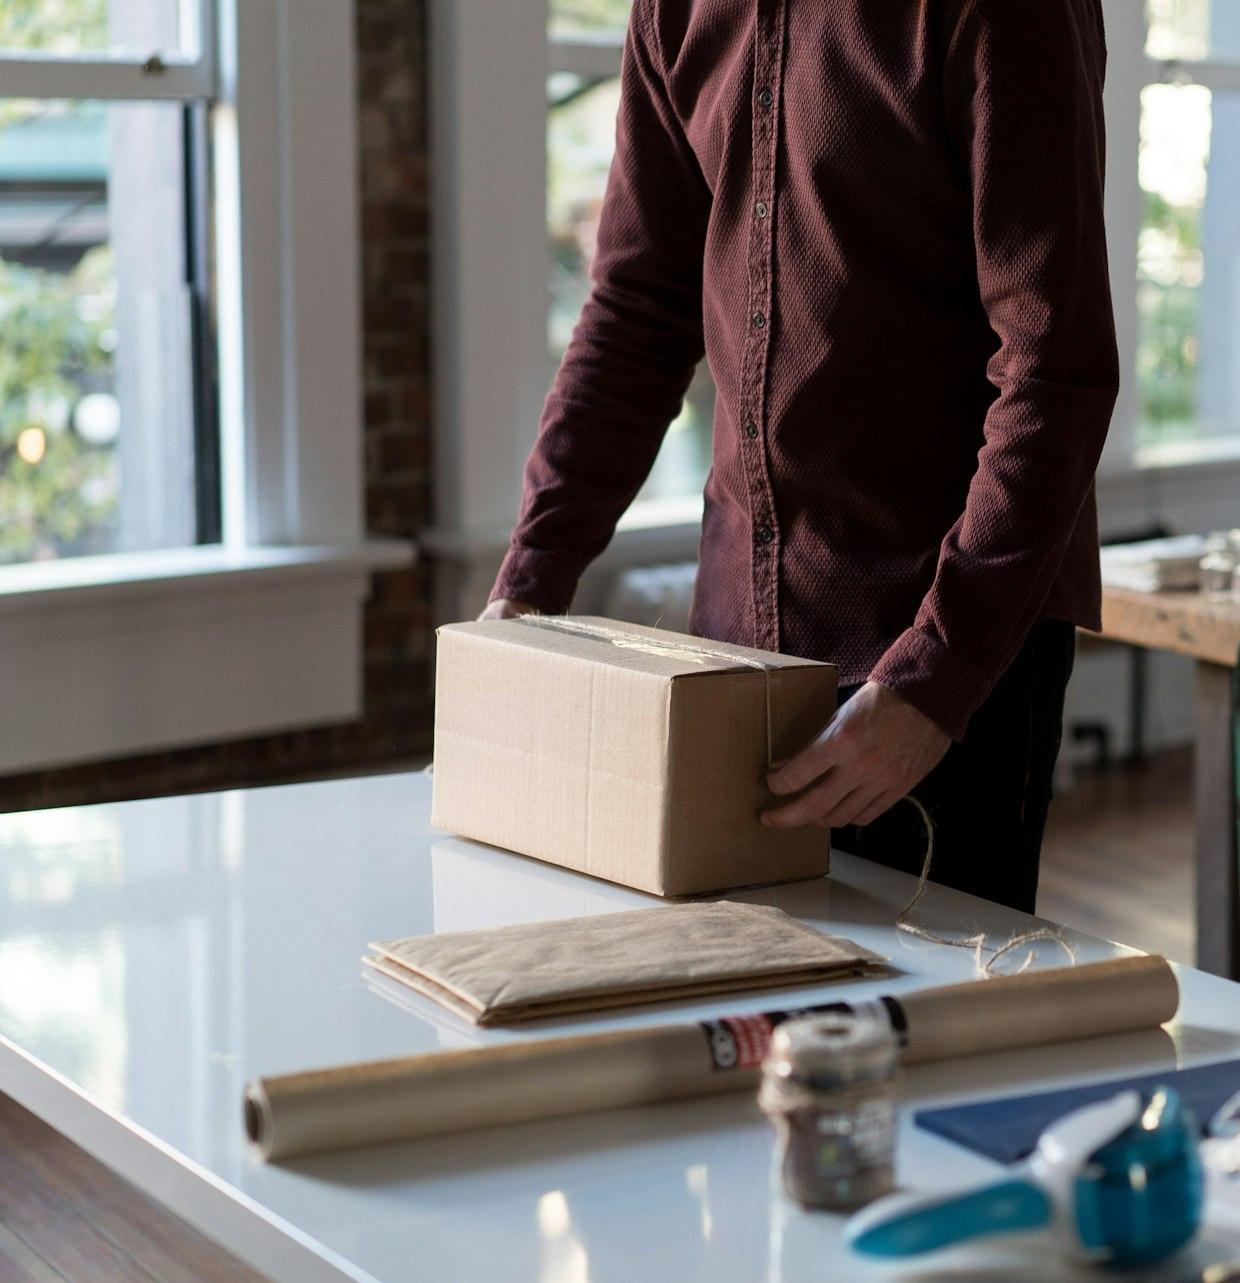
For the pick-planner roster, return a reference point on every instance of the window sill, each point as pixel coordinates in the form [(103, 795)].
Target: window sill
[(1199, 452), (129, 575), (1182, 485), (112, 656)]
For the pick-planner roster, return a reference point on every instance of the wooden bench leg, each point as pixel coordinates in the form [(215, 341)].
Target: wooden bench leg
[(1216, 789)]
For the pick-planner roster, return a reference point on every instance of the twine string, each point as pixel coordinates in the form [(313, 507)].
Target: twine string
[(984, 965)]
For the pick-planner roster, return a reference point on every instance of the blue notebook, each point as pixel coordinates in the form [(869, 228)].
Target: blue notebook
[(1007, 1130)]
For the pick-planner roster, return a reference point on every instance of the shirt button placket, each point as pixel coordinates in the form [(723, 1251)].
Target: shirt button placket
[(767, 54), (768, 59)]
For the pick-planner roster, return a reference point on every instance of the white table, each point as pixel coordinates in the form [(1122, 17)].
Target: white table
[(155, 955)]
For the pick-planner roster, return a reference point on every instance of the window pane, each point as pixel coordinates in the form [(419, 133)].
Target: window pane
[(92, 26), (573, 19), (1189, 262), (1193, 29), (580, 139), (96, 369)]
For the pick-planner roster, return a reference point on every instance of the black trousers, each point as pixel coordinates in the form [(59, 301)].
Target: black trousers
[(990, 794)]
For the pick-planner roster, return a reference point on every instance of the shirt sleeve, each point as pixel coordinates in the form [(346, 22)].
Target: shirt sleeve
[(632, 355), (1023, 95)]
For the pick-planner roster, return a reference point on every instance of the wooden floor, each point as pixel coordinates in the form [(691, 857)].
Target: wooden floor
[(65, 1218), (1118, 856), (1117, 862)]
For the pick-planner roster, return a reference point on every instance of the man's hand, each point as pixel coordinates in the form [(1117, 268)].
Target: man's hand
[(506, 608), (865, 760)]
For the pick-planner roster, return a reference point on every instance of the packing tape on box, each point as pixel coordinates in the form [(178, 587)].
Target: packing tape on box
[(441, 1093), (654, 646)]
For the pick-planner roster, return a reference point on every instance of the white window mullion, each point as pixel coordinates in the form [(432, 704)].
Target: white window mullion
[(289, 274)]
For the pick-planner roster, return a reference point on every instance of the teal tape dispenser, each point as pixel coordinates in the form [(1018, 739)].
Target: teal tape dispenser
[(1119, 1182)]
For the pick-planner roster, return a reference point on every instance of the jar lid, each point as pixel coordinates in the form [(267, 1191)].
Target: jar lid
[(833, 1050)]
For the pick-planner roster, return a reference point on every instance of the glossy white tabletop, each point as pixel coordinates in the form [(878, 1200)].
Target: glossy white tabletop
[(155, 955)]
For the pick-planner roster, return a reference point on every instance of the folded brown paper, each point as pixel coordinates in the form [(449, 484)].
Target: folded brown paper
[(502, 975), (632, 754), (457, 1091)]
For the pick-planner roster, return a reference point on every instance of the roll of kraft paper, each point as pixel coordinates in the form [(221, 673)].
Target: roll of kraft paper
[(458, 1091)]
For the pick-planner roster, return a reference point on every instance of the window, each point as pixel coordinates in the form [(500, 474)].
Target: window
[(107, 425), (1188, 260), (583, 90), (178, 196)]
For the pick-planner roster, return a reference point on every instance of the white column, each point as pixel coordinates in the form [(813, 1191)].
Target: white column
[(1125, 26), (491, 262), (1218, 329)]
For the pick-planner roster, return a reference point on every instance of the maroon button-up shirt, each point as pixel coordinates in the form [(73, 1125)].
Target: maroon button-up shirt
[(881, 220)]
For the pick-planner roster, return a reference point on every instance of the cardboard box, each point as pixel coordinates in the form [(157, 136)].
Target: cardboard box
[(624, 752)]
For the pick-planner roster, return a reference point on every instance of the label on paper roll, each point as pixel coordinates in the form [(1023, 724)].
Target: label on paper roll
[(741, 1042)]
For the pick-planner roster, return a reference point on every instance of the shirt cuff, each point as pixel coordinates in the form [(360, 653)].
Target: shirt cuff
[(924, 673), (544, 580)]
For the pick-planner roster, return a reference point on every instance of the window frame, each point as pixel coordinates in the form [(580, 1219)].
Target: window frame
[(214, 660), (1130, 69), (1218, 76)]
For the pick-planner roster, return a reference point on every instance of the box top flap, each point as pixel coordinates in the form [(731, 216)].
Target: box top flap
[(635, 647)]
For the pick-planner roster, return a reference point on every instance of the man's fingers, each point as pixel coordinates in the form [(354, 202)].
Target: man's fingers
[(880, 806), (801, 771), (507, 608), (852, 809), (819, 802)]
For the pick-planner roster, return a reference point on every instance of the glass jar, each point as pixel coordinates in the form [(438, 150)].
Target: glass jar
[(829, 1087), (1218, 566)]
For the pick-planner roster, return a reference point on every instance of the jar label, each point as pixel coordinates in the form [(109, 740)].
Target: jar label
[(741, 1042)]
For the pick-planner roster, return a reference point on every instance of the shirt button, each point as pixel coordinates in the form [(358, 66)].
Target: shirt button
[(761, 209), (765, 534), (765, 97), (751, 429), (759, 319)]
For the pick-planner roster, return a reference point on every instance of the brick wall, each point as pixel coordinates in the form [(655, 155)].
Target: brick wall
[(395, 727)]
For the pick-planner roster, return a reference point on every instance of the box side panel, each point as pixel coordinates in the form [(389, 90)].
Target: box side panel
[(510, 767), (717, 779), (543, 754), (627, 780)]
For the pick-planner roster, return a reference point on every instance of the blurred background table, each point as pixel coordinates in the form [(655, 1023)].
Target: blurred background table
[(1208, 631)]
